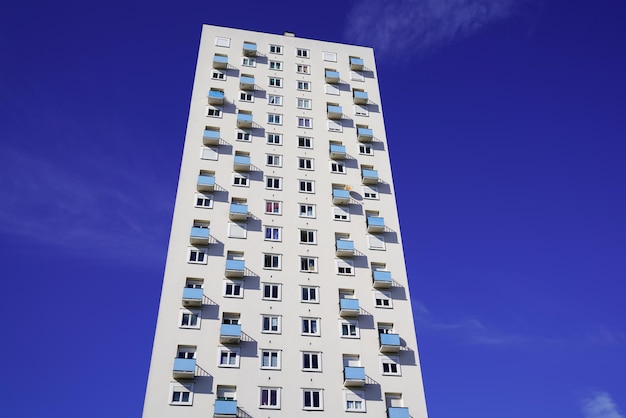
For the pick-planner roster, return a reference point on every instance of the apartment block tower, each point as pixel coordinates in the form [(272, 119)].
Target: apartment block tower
[(285, 291)]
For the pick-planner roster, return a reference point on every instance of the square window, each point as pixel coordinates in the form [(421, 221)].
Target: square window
[(366, 149), (334, 126), (307, 211), (302, 53), (303, 69), (237, 230), (275, 139), (275, 82), (271, 261), (276, 65), (308, 264), (276, 49), (270, 398), (274, 183), (243, 135), (274, 160), (337, 167), (361, 111), (390, 365), (309, 294), (310, 326), (270, 359), (376, 242), (240, 180), (275, 100), (341, 213), (273, 233), (331, 89), (270, 324), (214, 112), (349, 328), (248, 62), (329, 56), (197, 255), (181, 394), (204, 200), (273, 207), (356, 76), (370, 192), (233, 288), (304, 103), (305, 163), (218, 75), (307, 186), (303, 85), (308, 236), (274, 119), (209, 153), (312, 399), (224, 42), (306, 123), (271, 291), (345, 267), (311, 361), (244, 96), (228, 357), (355, 400), (305, 142), (382, 299), (189, 319)]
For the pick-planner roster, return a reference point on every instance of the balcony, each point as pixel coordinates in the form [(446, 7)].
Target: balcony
[(332, 77), (246, 83), (381, 279), (353, 376), (216, 97), (230, 333), (369, 176), (364, 134), (389, 343), (199, 235), (249, 49), (242, 163), (225, 409), (206, 183), (341, 197), (344, 248), (359, 97), (220, 61), (238, 212), (211, 137), (337, 152), (375, 224), (349, 307), (334, 112), (192, 296), (397, 412), (235, 268), (184, 368), (244, 120), (356, 64)]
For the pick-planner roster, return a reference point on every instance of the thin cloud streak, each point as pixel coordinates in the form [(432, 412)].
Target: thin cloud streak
[(400, 28), (600, 405)]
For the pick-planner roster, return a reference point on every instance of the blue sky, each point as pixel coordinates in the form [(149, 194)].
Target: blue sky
[(506, 122)]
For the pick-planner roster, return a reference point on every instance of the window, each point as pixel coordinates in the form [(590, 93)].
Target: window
[(270, 324), (233, 289), (312, 399), (304, 103), (311, 361), (305, 123), (214, 112), (307, 211), (218, 75), (308, 264), (248, 62), (276, 49), (355, 400), (243, 135), (308, 236), (273, 183), (356, 76), (390, 365), (181, 394), (228, 357), (271, 261), (245, 96), (209, 153), (345, 267), (274, 160), (304, 85), (349, 328), (376, 242), (230, 318), (186, 351), (225, 393), (310, 326), (273, 233), (193, 283), (307, 186), (273, 207), (275, 82), (240, 179), (361, 111), (305, 142), (275, 139), (270, 359), (303, 69), (275, 100), (225, 42), (337, 167), (331, 89), (271, 291), (341, 213), (309, 294), (302, 53), (197, 255), (370, 192), (366, 149), (270, 398), (189, 319), (276, 65), (274, 119), (334, 126), (382, 299), (305, 163), (204, 200), (329, 56)]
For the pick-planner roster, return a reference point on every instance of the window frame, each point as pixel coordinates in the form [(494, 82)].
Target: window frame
[(344, 267), (303, 53), (306, 186), (274, 204), (199, 251), (240, 179), (310, 261), (188, 388), (273, 183), (303, 85), (274, 119), (371, 193), (269, 390), (310, 326), (275, 65), (231, 352), (214, 111), (349, 328), (310, 355), (270, 319), (312, 392), (274, 138), (274, 231), (204, 197), (392, 362), (355, 396), (345, 211), (309, 208), (270, 351), (382, 295), (304, 289), (246, 96), (302, 142), (306, 163), (190, 313), (303, 69), (236, 289), (218, 75), (272, 286), (276, 82), (272, 261), (274, 100), (274, 160), (311, 236), (304, 103), (248, 62), (305, 122), (276, 49), (337, 167)]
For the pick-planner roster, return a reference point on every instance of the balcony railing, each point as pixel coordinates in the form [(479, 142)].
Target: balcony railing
[(206, 183), (225, 409), (216, 97), (389, 343), (235, 268), (238, 212), (360, 97), (337, 152), (192, 296), (244, 120), (397, 412), (364, 134), (184, 368), (353, 376), (341, 197), (230, 333), (356, 64), (211, 137), (220, 61), (369, 176), (344, 248), (199, 235), (332, 77), (249, 49), (375, 224), (334, 112), (242, 163), (349, 307), (381, 279), (246, 83)]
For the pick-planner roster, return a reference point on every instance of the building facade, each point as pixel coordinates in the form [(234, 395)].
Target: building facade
[(285, 290)]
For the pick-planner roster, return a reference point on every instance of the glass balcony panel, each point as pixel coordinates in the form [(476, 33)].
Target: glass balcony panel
[(344, 248), (375, 224), (397, 412), (389, 343), (364, 134), (220, 61), (337, 151), (184, 368), (225, 409), (349, 307), (360, 97), (199, 235), (244, 120), (216, 97), (356, 63), (246, 83), (206, 182), (242, 162), (334, 112), (382, 279), (230, 333), (249, 49), (238, 211), (332, 76), (341, 197), (354, 376), (192, 296), (369, 176), (211, 137), (235, 268)]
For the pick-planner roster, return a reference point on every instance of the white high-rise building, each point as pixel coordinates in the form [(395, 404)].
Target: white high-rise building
[(285, 291)]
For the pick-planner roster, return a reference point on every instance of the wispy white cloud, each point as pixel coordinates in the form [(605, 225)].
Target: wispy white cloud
[(605, 335), (402, 27), (600, 405)]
